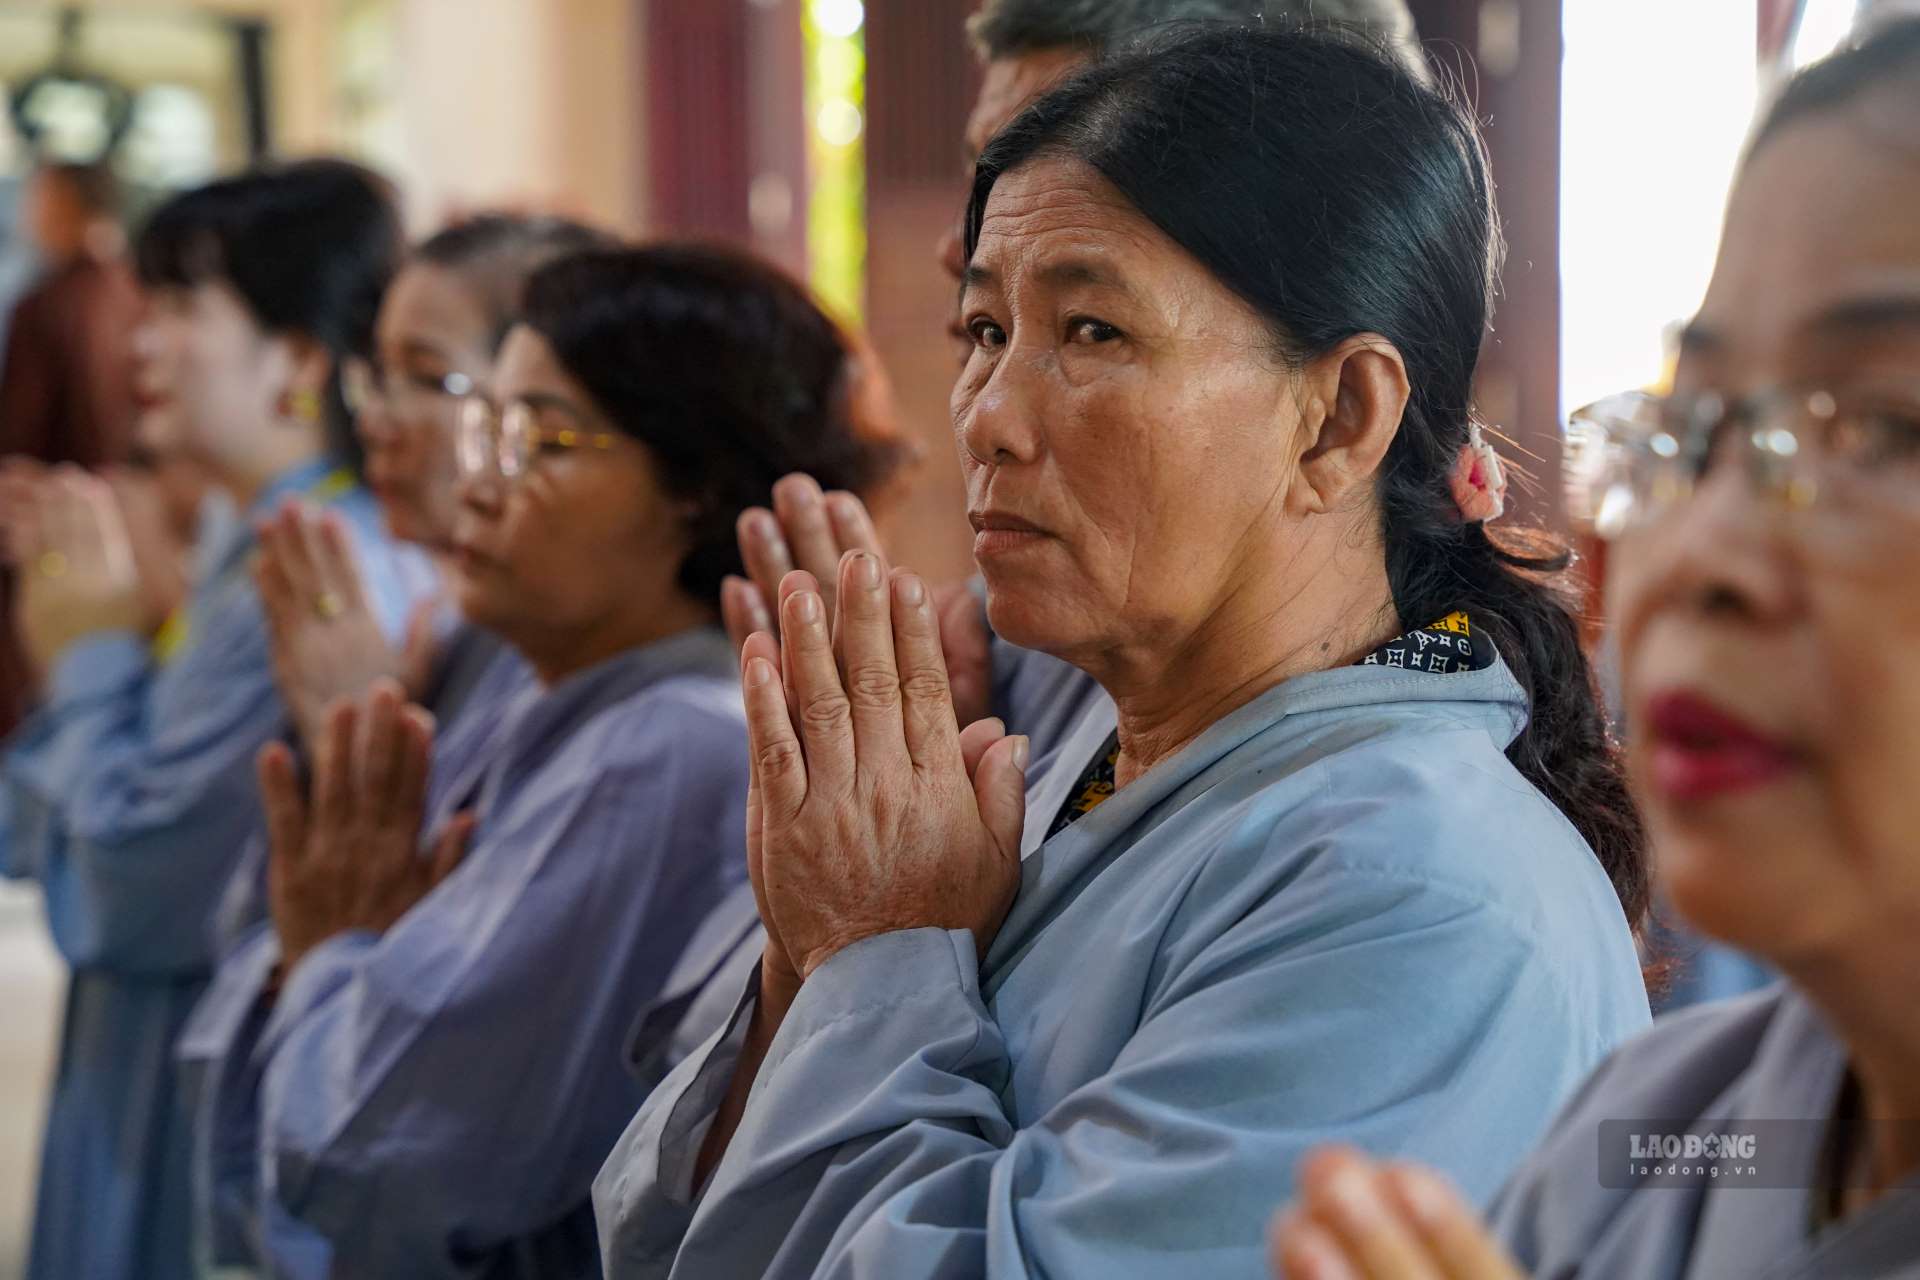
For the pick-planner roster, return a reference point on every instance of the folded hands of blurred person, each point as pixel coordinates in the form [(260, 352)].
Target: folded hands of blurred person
[(82, 576), (811, 530), (870, 810), (1359, 1219), (161, 556), (345, 849), (326, 642)]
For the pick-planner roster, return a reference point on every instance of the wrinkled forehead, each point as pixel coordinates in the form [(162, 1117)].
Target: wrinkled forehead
[(1820, 259), (1055, 207)]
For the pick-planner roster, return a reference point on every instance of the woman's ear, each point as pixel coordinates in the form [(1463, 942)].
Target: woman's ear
[(309, 370), (1359, 390)]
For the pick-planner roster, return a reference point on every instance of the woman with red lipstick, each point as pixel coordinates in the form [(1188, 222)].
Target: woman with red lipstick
[(1330, 840), (1767, 556)]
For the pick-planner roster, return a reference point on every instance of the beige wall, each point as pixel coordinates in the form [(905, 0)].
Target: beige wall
[(532, 103)]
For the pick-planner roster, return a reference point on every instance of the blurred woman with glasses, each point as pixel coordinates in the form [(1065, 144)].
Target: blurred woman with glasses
[(438, 1017), (129, 793), (1766, 588), (439, 332)]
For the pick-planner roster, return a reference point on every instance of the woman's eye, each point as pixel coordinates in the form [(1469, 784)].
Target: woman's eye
[(987, 334), (1879, 437), (1084, 330)]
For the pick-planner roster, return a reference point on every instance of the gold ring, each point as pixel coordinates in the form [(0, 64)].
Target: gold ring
[(327, 606), (53, 564)]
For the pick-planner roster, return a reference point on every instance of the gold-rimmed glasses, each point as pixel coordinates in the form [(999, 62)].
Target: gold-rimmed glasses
[(1632, 458), (504, 441)]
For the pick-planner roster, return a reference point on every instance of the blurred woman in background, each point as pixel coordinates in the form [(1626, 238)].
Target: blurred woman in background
[(439, 335), (1763, 583), (433, 1065), (130, 789), (435, 345), (439, 332)]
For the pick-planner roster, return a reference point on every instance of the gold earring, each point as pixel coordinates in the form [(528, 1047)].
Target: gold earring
[(304, 405)]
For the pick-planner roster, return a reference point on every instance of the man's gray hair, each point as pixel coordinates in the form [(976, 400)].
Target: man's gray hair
[(1008, 28)]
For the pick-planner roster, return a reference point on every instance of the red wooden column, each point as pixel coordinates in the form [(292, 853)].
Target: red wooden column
[(726, 127), (696, 73)]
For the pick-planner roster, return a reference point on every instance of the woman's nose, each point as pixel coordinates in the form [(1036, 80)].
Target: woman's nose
[(481, 493), (1723, 551), (1001, 421)]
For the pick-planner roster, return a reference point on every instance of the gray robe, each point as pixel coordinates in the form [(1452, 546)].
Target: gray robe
[(1765, 1065)]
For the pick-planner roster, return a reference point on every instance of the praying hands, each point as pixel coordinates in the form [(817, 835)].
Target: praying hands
[(326, 642), (345, 851)]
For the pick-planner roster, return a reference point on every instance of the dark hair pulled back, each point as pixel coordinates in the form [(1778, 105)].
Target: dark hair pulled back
[(309, 247), (1320, 181), (496, 253), (724, 368)]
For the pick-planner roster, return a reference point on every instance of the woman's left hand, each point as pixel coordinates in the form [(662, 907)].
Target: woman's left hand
[(325, 640), (80, 576), (1359, 1219), (874, 811), (348, 856)]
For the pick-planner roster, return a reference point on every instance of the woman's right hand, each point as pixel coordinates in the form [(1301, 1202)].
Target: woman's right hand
[(1356, 1218), (811, 530), (343, 852)]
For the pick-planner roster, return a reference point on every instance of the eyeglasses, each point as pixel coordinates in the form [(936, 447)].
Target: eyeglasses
[(364, 381), (504, 442), (1633, 458)]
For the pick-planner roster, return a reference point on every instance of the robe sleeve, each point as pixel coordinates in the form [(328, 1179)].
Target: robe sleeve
[(438, 1092), (1362, 1004), (129, 793)]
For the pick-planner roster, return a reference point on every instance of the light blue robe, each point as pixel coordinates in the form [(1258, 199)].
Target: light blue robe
[(473, 680), (1765, 1065), (127, 796), (435, 1101), (476, 683), (1338, 914)]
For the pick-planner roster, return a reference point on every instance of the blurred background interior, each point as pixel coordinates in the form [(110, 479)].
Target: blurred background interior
[(826, 134)]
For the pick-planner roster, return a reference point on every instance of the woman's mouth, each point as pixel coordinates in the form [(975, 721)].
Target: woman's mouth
[(997, 533), (1701, 752), (469, 557)]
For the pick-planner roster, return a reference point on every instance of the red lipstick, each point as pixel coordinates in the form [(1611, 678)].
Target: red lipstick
[(1701, 752)]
